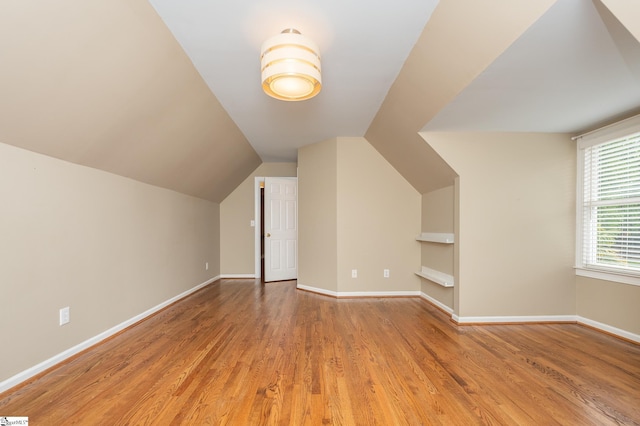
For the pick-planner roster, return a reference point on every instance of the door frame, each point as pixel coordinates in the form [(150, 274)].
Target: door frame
[(257, 213), (259, 182)]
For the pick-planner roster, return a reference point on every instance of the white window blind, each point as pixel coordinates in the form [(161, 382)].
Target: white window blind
[(611, 206)]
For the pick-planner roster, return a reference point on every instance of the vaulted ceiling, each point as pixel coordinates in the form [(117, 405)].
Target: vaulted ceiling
[(168, 92)]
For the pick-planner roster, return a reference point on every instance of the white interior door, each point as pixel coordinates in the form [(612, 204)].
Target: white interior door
[(280, 229)]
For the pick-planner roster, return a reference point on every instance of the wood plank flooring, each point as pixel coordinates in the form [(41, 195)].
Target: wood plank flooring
[(242, 353)]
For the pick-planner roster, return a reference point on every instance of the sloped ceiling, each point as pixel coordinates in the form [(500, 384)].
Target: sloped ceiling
[(452, 50), (559, 66), (573, 68), (168, 92), (104, 84)]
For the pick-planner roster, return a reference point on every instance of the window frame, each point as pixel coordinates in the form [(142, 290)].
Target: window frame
[(603, 135)]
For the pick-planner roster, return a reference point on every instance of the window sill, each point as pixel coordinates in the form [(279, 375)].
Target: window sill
[(608, 276)]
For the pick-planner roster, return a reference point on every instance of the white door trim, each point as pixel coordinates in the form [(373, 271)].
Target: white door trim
[(257, 228)]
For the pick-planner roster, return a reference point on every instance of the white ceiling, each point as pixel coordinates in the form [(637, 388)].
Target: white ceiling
[(363, 45), (575, 68)]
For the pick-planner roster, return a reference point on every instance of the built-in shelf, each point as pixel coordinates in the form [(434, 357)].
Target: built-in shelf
[(445, 280), (436, 237)]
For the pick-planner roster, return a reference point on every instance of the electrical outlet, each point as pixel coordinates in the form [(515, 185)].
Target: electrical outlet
[(386, 273), (354, 273), (206, 266), (64, 316)]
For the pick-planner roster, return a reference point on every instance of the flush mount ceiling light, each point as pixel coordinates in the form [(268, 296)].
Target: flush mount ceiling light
[(290, 65)]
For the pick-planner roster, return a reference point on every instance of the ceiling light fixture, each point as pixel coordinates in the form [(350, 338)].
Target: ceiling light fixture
[(290, 65)]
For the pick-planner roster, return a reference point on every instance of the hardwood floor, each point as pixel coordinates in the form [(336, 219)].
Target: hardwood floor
[(242, 353)]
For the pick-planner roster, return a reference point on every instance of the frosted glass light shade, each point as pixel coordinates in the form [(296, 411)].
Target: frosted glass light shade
[(290, 65)]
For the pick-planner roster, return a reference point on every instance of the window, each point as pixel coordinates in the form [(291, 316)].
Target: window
[(608, 214)]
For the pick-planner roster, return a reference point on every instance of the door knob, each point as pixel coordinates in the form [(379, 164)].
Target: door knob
[(268, 234)]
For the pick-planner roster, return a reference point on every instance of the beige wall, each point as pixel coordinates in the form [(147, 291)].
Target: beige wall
[(237, 237), (317, 215), (438, 216), (516, 231), (614, 304), (355, 212), (108, 247), (378, 220)]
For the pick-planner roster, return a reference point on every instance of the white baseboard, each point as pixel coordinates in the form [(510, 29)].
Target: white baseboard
[(238, 276), (339, 294), (514, 319), (609, 329), (378, 293), (437, 303), (30, 372), (549, 318), (39, 368), (317, 290)]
